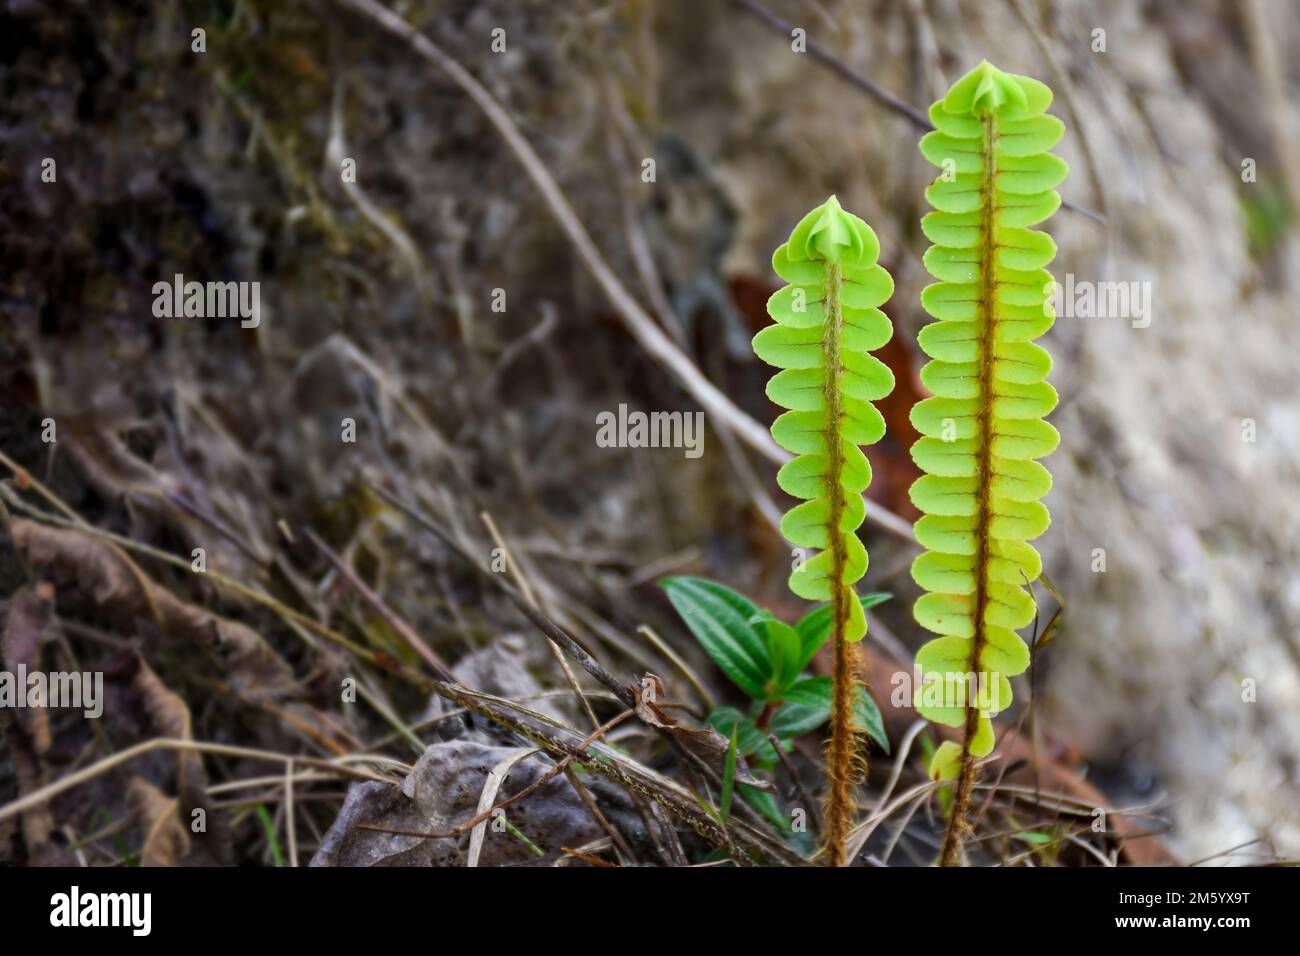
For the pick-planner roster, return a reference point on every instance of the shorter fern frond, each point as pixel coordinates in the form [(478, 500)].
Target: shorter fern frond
[(828, 321)]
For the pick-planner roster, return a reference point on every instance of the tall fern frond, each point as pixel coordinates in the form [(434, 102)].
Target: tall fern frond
[(983, 430), (827, 321)]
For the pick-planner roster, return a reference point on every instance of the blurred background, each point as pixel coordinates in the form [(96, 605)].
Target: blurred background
[(506, 265)]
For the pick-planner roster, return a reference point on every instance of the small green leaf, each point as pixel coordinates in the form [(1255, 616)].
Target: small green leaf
[(750, 741), (866, 717), (808, 706), (729, 775), (707, 808), (800, 716), (815, 627), (765, 803), (719, 618), (784, 647)]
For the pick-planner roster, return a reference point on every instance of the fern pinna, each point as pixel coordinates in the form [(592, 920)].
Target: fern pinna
[(827, 321), (983, 430)]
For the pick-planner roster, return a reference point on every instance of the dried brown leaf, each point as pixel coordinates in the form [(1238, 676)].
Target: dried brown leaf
[(25, 627), (166, 840), (38, 822), (170, 717), (645, 697)]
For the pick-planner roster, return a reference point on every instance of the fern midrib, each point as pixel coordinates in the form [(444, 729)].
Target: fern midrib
[(988, 360), (984, 474), (831, 332), (841, 755)]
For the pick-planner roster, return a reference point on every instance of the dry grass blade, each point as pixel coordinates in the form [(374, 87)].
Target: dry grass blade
[(487, 798), (702, 750), (395, 621), (45, 794)]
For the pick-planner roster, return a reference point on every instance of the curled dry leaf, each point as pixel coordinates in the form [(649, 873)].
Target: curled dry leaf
[(27, 731), (646, 696), (166, 840), (170, 717), (705, 742), (37, 823), (25, 628), (711, 747)]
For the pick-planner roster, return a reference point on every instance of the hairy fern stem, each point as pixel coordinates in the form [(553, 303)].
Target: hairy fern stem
[(843, 742)]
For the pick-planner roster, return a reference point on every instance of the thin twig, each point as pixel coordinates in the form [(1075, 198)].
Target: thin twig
[(862, 82), (549, 628), (289, 615), (393, 619), (836, 65), (620, 844), (809, 805)]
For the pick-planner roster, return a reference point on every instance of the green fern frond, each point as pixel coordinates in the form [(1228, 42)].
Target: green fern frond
[(828, 320), (983, 431)]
